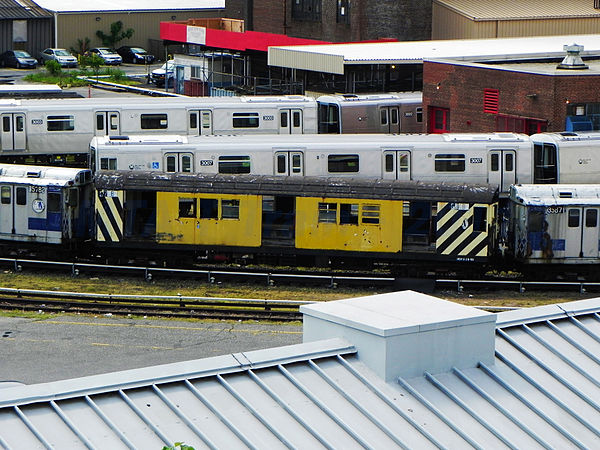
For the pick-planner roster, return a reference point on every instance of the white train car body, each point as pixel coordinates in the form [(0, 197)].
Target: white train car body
[(375, 113), (45, 205), (51, 130), (500, 159), (555, 224)]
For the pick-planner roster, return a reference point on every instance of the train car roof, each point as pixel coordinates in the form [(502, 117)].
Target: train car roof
[(555, 194), (391, 98), (566, 136), (352, 188), (298, 140), (41, 172)]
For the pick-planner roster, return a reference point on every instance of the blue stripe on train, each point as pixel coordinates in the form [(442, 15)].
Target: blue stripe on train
[(51, 223)]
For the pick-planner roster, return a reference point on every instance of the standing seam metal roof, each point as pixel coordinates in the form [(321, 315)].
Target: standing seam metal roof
[(542, 391), (22, 9)]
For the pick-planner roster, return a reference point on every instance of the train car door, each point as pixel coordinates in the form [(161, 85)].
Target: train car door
[(107, 123), (178, 162), (291, 121), (6, 210), (200, 122), (501, 168), (396, 165), (389, 117), (289, 163), (13, 131), (582, 233)]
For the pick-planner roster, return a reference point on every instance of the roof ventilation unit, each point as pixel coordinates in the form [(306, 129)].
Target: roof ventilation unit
[(572, 60)]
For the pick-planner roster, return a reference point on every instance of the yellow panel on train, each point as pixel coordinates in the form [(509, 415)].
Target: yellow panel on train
[(346, 224), (208, 219)]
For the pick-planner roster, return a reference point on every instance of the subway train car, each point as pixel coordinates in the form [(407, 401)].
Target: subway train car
[(555, 227), (376, 113), (500, 159), (353, 221), (45, 205)]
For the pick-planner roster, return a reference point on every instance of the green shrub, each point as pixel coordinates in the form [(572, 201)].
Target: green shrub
[(53, 68)]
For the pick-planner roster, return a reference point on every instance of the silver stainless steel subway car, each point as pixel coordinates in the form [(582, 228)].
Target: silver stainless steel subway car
[(45, 205), (555, 225)]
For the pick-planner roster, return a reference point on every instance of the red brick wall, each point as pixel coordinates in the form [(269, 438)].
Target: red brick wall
[(268, 16), (461, 90)]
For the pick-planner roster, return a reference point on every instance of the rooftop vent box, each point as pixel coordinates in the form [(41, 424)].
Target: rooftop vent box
[(404, 334), (573, 59)]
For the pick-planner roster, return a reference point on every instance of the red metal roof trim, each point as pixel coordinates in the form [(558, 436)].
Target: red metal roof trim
[(233, 40)]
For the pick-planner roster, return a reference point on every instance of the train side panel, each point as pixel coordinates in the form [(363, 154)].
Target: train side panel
[(208, 219), (349, 225)]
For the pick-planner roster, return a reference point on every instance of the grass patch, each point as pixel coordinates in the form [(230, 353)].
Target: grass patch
[(70, 78)]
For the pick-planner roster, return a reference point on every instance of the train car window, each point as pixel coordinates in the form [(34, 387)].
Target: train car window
[(206, 120), (370, 214), (495, 163), (296, 119), (187, 207), (171, 163), (114, 122), (60, 123), (479, 219), (327, 212), (348, 214), (5, 195), (535, 220), (230, 209), (21, 196), (154, 121), (296, 164), (53, 202), (6, 124), (389, 162), (544, 157), (343, 163), (394, 114), (509, 160), (283, 119), (450, 163), (403, 162), (419, 113), (193, 120), (281, 166), (234, 164), (186, 163), (591, 218), (209, 208), (384, 116), (245, 120), (328, 118), (573, 221), (108, 163), (20, 125), (99, 122)]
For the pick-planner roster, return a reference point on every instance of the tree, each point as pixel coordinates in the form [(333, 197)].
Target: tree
[(83, 45), (116, 34)]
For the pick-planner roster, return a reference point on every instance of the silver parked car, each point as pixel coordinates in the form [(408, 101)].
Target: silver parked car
[(62, 56), (109, 56)]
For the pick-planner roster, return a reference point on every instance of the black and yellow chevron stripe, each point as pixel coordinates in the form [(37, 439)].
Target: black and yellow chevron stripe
[(455, 235), (109, 216)]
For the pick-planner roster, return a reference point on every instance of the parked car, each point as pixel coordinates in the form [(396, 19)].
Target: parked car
[(167, 70), (109, 56), (18, 58), (135, 55), (62, 56)]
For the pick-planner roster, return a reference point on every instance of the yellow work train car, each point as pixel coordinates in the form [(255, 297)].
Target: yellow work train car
[(308, 218)]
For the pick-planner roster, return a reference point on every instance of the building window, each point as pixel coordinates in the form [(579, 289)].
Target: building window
[(60, 123), (490, 101), (342, 163), (450, 163), (245, 120), (343, 11), (439, 121), (306, 10), (520, 124), (154, 121)]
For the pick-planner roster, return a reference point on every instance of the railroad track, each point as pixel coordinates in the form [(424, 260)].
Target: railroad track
[(165, 306)]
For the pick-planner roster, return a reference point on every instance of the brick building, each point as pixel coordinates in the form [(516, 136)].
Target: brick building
[(344, 20), (522, 97)]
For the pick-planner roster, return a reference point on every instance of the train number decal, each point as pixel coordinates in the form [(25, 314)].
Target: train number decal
[(476, 160), (37, 121), (555, 210), (269, 117), (206, 162), (37, 189)]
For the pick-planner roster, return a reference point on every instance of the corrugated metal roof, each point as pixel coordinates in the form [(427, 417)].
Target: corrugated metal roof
[(332, 58), (542, 391), (510, 10), (64, 6), (21, 9)]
